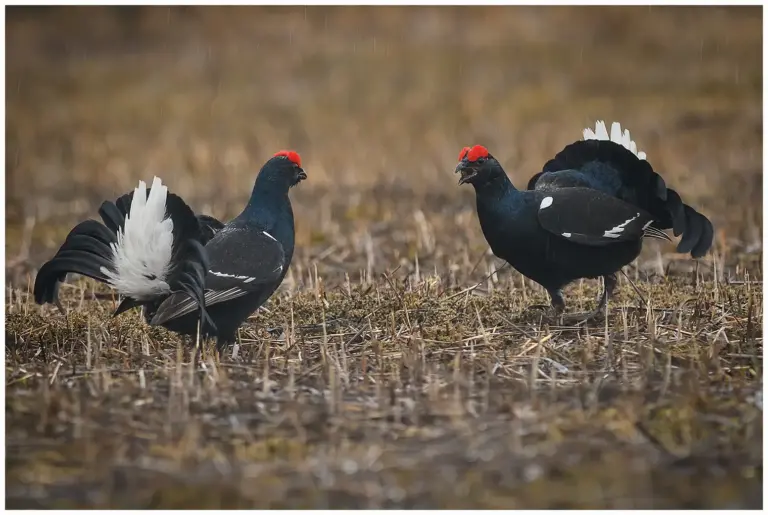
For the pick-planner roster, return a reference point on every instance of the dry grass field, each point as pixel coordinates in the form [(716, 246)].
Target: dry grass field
[(393, 368)]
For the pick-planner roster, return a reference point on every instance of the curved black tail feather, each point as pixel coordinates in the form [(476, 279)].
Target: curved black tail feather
[(89, 249)]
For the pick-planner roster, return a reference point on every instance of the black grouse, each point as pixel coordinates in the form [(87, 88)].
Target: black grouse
[(583, 216), (181, 268)]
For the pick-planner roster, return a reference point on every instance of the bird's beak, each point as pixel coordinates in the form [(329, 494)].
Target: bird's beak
[(466, 170), (302, 174)]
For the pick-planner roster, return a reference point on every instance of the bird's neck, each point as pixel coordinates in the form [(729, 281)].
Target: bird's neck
[(271, 211), (268, 206), (496, 189)]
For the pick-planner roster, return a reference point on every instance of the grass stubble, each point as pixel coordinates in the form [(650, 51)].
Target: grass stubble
[(399, 365)]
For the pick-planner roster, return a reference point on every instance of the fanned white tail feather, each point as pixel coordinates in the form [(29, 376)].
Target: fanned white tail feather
[(142, 254), (623, 139)]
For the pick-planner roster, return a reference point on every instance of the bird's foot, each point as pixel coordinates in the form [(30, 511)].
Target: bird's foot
[(554, 315), (545, 313), (542, 312), (584, 317)]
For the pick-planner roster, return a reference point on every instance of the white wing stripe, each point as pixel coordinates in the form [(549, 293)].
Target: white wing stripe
[(616, 231), (244, 278)]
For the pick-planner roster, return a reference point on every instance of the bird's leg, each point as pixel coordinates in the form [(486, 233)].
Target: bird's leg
[(610, 284), (237, 345), (224, 339), (554, 311), (197, 334), (556, 306), (558, 301), (602, 303)]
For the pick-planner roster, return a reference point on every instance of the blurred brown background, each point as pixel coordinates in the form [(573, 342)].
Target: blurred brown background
[(378, 101)]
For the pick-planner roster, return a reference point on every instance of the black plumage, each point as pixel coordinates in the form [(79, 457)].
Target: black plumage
[(220, 272), (584, 215)]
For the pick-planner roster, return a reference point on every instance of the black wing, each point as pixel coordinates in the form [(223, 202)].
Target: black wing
[(241, 262), (609, 167), (209, 226), (590, 217)]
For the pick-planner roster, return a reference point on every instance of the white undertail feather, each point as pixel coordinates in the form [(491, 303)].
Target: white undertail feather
[(142, 254), (616, 136)]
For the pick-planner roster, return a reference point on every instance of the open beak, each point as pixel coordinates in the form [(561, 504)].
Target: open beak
[(302, 174), (466, 170)]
